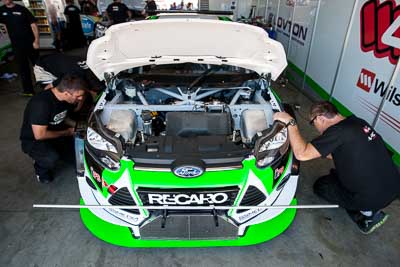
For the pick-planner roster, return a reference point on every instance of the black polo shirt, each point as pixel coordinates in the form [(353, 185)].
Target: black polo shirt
[(362, 161), (18, 20)]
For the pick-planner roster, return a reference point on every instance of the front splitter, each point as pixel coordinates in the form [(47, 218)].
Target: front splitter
[(122, 236)]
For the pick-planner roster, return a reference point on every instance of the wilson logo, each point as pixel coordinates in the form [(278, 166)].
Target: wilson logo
[(380, 29), (366, 79)]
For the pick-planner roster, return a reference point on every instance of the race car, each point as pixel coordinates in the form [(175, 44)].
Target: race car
[(181, 149)]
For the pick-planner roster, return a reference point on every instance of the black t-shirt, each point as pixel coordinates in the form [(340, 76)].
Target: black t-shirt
[(118, 12), (18, 20), (44, 109), (362, 161)]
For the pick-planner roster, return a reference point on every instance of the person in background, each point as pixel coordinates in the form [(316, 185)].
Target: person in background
[(173, 6), (365, 179), (56, 27), (74, 37), (189, 6), (151, 8), (118, 12), (24, 35), (46, 132), (89, 7), (181, 6)]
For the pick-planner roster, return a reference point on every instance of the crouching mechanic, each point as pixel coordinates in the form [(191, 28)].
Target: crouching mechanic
[(365, 179), (46, 132)]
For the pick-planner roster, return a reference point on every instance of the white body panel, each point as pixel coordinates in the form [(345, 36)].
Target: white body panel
[(172, 41)]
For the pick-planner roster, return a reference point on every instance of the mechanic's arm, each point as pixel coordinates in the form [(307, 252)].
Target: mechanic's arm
[(303, 151), (35, 31), (41, 132)]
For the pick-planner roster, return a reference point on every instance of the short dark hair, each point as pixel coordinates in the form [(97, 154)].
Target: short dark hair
[(324, 108), (71, 82)]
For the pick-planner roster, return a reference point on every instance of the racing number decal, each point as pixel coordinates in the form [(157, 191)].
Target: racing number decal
[(379, 29)]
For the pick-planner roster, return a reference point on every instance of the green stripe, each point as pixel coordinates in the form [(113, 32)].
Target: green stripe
[(342, 109)]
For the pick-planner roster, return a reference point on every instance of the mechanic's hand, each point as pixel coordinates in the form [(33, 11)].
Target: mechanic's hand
[(69, 131), (283, 117), (36, 44)]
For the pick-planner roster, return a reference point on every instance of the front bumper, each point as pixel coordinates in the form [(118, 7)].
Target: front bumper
[(143, 228), (122, 236)]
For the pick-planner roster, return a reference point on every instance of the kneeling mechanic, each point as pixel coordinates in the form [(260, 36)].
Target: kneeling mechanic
[(46, 133), (365, 179)]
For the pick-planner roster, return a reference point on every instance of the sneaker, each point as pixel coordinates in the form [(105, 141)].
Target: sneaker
[(371, 223), (44, 179)]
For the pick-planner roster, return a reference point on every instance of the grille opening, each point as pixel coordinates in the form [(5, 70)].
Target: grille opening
[(123, 197), (253, 197)]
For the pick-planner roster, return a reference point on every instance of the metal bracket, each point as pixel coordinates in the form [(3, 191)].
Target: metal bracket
[(164, 218)]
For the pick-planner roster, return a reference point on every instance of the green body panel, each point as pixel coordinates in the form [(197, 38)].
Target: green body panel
[(342, 109), (121, 236), (169, 180), (275, 94)]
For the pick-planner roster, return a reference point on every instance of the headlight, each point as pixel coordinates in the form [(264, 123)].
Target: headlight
[(98, 142), (271, 145), (105, 145)]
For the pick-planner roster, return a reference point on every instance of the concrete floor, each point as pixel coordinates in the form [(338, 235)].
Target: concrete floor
[(38, 237)]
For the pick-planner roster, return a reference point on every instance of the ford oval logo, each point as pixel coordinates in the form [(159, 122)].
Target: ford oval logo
[(188, 171)]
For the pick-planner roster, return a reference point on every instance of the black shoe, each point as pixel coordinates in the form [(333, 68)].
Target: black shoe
[(371, 223), (44, 179)]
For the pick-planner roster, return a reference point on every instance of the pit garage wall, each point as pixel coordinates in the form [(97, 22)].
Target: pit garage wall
[(341, 51)]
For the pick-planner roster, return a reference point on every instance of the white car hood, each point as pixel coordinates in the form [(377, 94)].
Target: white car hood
[(171, 41)]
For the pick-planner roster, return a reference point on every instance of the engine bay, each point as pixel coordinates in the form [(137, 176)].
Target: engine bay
[(201, 118)]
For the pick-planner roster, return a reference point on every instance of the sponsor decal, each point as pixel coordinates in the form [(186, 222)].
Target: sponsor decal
[(58, 118), (5, 13), (187, 199), (278, 172), (371, 133), (124, 215), (17, 13), (87, 25), (251, 213), (188, 171), (299, 32), (380, 33), (95, 175), (366, 129), (368, 80)]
